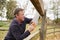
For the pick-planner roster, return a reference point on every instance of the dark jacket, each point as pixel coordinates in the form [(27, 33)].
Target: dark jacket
[(17, 30)]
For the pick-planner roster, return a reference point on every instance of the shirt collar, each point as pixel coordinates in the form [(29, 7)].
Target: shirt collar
[(17, 21)]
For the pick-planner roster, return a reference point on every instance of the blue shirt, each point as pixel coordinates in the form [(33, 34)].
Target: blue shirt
[(17, 30)]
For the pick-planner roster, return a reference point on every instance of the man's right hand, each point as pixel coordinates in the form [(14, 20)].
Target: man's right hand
[(31, 28)]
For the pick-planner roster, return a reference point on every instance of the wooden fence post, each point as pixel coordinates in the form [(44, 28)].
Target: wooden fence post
[(43, 28)]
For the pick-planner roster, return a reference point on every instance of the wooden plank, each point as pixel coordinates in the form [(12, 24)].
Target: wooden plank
[(38, 4), (3, 29), (31, 36)]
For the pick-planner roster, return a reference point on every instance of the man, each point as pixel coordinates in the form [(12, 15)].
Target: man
[(18, 26)]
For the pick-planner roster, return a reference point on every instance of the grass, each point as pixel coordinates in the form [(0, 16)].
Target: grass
[(2, 34), (52, 36), (5, 25), (36, 37)]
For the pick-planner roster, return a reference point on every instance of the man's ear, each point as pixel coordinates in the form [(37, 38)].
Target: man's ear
[(16, 15)]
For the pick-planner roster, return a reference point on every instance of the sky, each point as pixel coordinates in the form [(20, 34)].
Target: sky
[(22, 3)]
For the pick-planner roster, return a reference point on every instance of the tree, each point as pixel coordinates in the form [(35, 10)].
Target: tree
[(2, 4), (57, 20), (1, 16), (11, 5), (55, 9)]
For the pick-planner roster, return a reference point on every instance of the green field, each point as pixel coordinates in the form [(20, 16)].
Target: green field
[(5, 25)]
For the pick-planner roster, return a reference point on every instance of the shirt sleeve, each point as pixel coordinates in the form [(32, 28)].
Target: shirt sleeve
[(28, 20), (16, 32)]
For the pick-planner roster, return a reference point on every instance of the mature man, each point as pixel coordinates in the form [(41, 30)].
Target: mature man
[(18, 26)]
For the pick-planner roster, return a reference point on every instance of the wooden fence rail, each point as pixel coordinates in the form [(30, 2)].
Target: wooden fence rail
[(33, 35)]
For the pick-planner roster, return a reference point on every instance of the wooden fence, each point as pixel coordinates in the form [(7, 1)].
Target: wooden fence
[(55, 30)]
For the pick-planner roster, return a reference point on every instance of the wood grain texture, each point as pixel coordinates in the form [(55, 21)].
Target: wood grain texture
[(38, 4)]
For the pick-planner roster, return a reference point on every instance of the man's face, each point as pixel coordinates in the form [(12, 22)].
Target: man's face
[(20, 16)]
